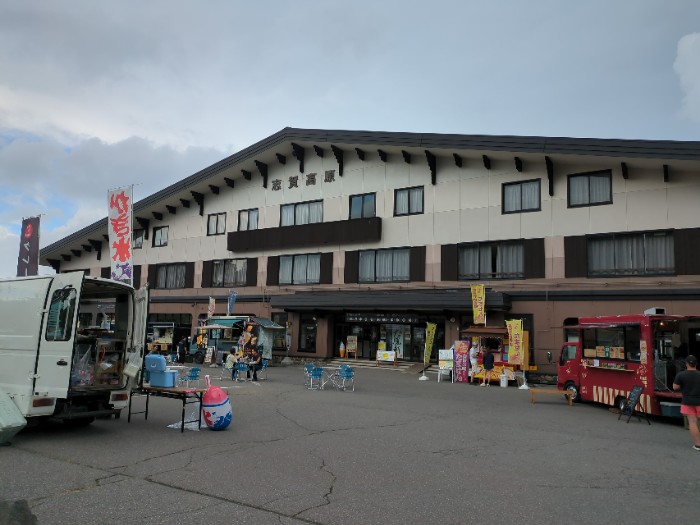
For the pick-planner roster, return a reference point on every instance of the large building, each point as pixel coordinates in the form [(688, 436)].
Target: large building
[(373, 234)]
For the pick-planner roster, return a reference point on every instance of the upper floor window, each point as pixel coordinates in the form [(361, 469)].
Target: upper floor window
[(384, 265), (301, 213), (588, 189), (521, 196), (300, 269), (170, 276), (492, 260), (408, 201), (138, 235), (160, 236), (216, 225), (231, 272), (362, 206), (248, 220), (631, 254)]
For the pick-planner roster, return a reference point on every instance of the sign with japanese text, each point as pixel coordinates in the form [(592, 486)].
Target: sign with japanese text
[(232, 294), (478, 303), (429, 338), (461, 367), (515, 341), (28, 259), (119, 230)]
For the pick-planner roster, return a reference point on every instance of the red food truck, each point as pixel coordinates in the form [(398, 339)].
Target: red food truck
[(603, 357)]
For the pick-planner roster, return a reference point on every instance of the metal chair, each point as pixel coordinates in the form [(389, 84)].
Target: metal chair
[(316, 378), (346, 376), (262, 373), (241, 371), (225, 371), (308, 367), (191, 377)]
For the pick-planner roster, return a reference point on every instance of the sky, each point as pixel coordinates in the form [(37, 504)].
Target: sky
[(96, 95)]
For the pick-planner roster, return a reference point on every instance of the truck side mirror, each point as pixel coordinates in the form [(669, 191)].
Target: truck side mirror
[(549, 357)]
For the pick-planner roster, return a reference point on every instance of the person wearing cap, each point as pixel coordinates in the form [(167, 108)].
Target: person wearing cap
[(688, 383)]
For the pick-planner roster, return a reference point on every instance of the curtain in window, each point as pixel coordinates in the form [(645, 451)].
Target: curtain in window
[(161, 278), (313, 269), (509, 261), (366, 267), (221, 223), (600, 188), (217, 273), (176, 276), (243, 221), (384, 262), (469, 262), (629, 254), (659, 253), (252, 219), (601, 256), (511, 197), (578, 191), (302, 214), (531, 195), (315, 212), (402, 202), (416, 204), (299, 275), (211, 227), (235, 272), (286, 269), (287, 215), (487, 267), (401, 264), (356, 207)]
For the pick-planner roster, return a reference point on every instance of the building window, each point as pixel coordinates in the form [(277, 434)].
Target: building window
[(170, 276), (589, 189), (248, 220), (491, 260), (216, 225), (301, 213), (382, 266), (300, 269), (623, 254), (408, 201), (521, 196), (362, 206), (160, 236), (230, 272), (138, 239)]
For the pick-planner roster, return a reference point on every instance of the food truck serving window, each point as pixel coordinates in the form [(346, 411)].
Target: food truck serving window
[(614, 337)]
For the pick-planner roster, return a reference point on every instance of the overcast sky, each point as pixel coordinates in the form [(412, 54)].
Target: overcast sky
[(95, 95)]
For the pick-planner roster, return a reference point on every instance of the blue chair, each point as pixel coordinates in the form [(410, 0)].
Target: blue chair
[(262, 373), (346, 375), (316, 378), (191, 377), (241, 371), (308, 367)]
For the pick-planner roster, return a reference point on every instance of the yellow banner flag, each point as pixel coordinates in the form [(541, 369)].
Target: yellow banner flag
[(429, 338), (478, 304), (515, 341)]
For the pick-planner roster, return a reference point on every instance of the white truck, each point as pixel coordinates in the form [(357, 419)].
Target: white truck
[(52, 367)]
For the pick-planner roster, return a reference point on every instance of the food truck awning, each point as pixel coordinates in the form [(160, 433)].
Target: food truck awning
[(484, 331), (267, 323)]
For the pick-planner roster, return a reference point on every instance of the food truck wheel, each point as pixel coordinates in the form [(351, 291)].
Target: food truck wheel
[(571, 387)]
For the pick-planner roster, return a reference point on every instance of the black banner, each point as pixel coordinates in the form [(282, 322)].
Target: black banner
[(28, 260)]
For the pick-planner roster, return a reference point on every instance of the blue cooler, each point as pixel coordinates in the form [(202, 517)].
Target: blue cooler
[(165, 379), (155, 363)]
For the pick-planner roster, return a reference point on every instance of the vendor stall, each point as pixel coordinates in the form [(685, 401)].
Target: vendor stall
[(496, 340)]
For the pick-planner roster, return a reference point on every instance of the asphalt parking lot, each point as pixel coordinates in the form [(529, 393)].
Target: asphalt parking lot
[(395, 451)]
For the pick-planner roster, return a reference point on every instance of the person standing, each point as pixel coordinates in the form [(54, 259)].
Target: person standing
[(488, 367), (473, 361), (181, 350), (688, 383)]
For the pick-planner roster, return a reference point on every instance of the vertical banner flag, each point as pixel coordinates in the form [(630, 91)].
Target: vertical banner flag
[(515, 341), (429, 338), (28, 259), (231, 301), (478, 303), (119, 229), (461, 369), (212, 306)]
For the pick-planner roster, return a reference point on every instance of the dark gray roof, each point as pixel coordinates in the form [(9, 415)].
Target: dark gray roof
[(651, 149)]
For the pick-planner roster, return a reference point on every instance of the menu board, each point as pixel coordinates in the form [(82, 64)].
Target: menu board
[(589, 352)]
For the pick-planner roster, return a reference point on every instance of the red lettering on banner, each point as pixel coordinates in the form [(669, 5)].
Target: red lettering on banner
[(120, 202), (122, 249), (120, 225)]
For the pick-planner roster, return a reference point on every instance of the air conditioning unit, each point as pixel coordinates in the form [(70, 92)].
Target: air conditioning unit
[(655, 310)]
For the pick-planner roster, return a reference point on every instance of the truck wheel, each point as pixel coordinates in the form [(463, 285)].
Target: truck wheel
[(571, 387), (199, 358), (78, 422)]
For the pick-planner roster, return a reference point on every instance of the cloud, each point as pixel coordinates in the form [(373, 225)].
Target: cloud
[(686, 67)]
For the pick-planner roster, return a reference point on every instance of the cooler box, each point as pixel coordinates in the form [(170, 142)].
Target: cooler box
[(670, 409), (164, 379), (155, 363), (11, 419)]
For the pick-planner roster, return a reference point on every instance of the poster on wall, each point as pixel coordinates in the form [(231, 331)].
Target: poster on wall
[(461, 365)]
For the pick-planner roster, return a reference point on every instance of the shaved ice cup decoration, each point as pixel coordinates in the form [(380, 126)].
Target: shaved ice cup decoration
[(216, 407)]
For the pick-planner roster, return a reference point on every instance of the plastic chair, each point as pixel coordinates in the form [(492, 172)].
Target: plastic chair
[(241, 371), (262, 373), (316, 378), (192, 376), (308, 367), (346, 375), (225, 371)]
